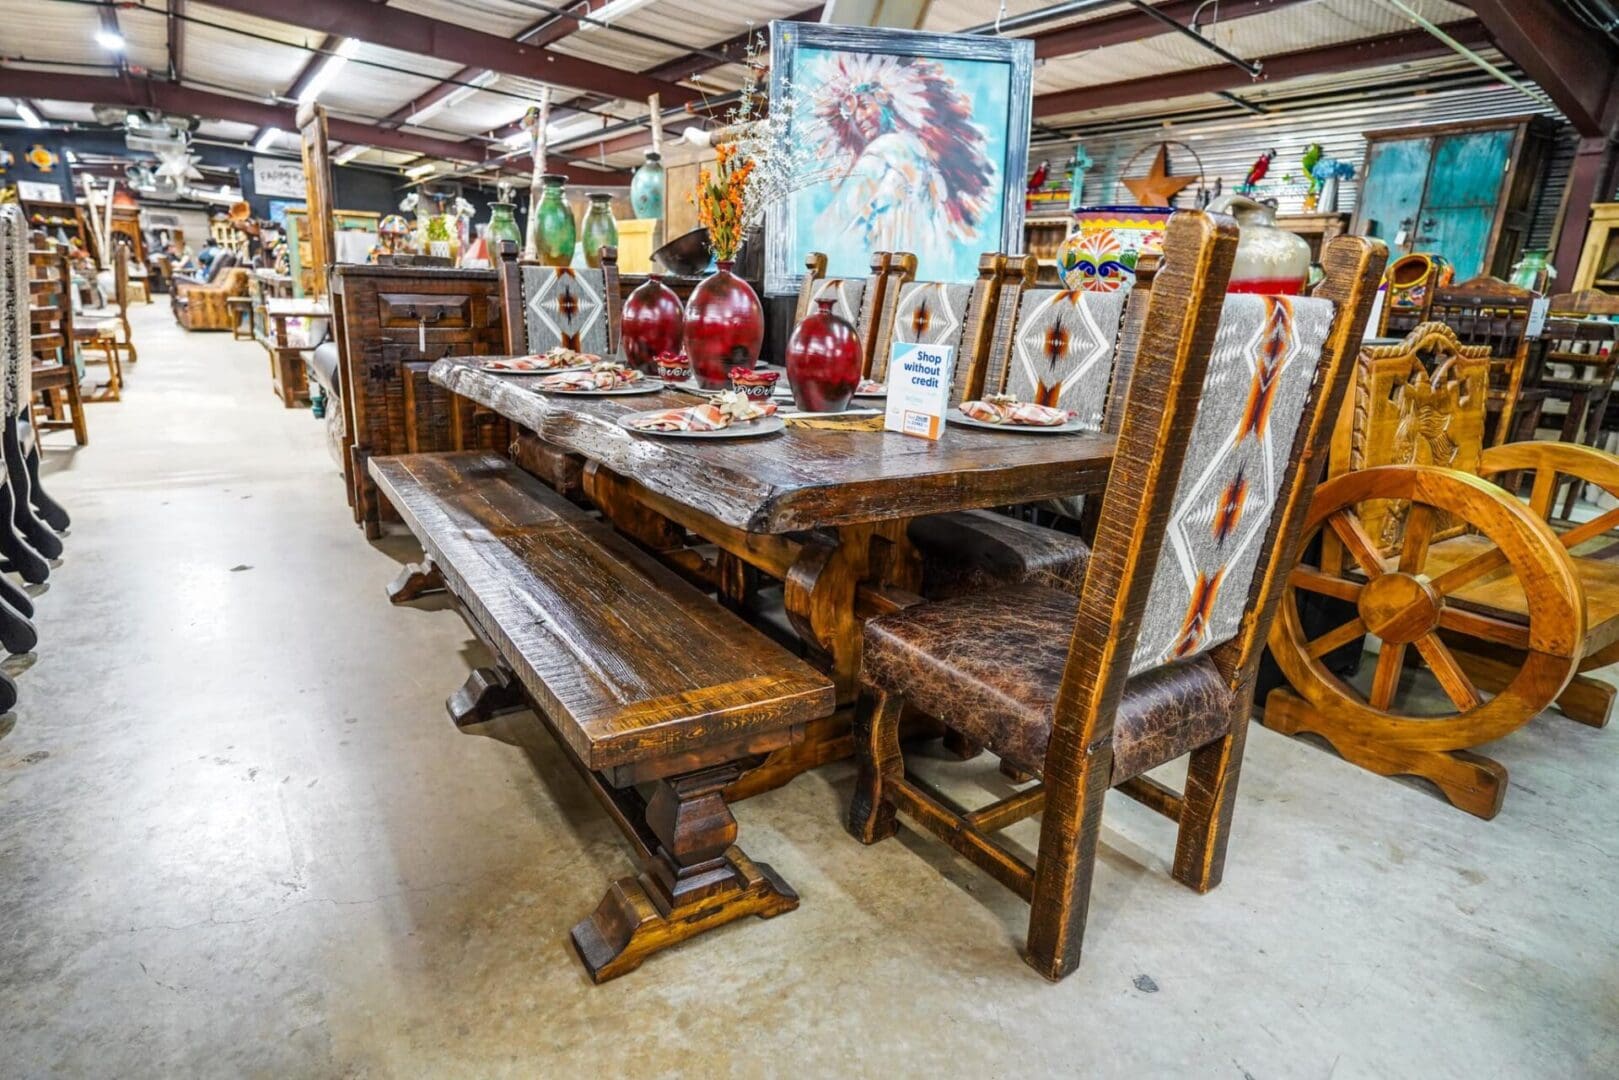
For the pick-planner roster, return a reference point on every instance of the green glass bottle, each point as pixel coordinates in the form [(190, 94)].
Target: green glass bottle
[(552, 228), (600, 230)]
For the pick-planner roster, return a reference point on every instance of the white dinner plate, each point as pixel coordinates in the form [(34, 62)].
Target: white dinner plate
[(1072, 427), (767, 425)]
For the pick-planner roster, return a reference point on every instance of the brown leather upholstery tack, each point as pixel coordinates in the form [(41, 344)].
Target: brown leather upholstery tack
[(977, 550), (989, 666)]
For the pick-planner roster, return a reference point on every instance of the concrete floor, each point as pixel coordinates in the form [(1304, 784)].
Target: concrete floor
[(239, 837)]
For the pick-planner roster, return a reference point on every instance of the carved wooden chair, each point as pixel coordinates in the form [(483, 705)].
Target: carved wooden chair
[(1155, 658), (1441, 564), (1491, 312), (1411, 281), (548, 306)]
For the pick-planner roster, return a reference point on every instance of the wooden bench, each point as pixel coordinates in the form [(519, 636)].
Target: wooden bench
[(642, 679)]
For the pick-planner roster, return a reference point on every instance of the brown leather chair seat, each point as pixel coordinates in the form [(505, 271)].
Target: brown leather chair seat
[(989, 664), (979, 550)]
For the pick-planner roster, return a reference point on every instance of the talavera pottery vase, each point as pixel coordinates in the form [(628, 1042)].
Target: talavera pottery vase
[(1413, 278), (647, 186), (552, 228), (725, 326), (1101, 252), (1270, 260), (599, 229), (823, 361), (653, 323)]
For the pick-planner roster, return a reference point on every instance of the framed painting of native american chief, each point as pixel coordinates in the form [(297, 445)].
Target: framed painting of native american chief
[(920, 143)]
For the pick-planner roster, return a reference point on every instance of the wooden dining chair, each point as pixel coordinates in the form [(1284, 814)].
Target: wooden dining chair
[(550, 306), (1574, 361), (859, 301), (1488, 311), (960, 314), (1155, 658)]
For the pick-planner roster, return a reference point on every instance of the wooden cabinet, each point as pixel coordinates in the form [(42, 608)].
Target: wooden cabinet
[(1599, 259), (1465, 191), (391, 323)]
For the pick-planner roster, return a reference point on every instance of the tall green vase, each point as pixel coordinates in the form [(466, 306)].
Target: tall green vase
[(600, 230), (552, 228)]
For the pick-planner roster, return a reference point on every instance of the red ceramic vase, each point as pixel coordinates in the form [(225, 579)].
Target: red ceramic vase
[(725, 326), (653, 323), (823, 361)]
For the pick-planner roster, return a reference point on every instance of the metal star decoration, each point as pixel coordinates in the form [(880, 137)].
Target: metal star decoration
[(1157, 188)]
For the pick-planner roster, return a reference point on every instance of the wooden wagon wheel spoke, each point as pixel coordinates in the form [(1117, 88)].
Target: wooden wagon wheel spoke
[(1310, 579), (1386, 679), (1452, 679), (1419, 526), (1595, 527), (1353, 535), (1332, 639), (1544, 492), (1463, 573)]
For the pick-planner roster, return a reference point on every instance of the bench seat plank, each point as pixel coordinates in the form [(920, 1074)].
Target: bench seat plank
[(631, 662)]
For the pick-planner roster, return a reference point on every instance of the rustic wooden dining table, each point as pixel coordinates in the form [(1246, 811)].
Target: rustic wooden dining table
[(823, 510)]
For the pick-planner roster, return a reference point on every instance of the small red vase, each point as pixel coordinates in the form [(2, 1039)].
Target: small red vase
[(725, 326), (823, 361), (653, 323)]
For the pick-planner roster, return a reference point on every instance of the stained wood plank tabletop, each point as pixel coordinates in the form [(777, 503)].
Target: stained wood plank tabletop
[(801, 478)]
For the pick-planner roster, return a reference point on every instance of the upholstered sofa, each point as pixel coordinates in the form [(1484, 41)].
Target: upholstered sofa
[(199, 303)]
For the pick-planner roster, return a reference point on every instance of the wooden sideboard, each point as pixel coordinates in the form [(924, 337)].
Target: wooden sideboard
[(390, 324)]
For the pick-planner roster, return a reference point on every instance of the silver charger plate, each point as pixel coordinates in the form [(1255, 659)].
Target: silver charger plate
[(534, 371), (1074, 426), (768, 425)]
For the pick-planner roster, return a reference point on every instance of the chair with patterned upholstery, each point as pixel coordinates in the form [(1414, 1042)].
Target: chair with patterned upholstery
[(550, 306), (1057, 347), (858, 300), (1155, 658)]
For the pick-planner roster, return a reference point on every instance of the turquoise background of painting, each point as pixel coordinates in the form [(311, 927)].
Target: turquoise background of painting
[(988, 85)]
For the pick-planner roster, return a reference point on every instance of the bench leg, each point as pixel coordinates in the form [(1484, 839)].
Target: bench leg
[(414, 580), (486, 694), (697, 879)]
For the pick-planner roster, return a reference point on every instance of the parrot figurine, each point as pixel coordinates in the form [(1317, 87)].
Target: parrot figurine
[(1037, 179), (1312, 154), (1257, 172)]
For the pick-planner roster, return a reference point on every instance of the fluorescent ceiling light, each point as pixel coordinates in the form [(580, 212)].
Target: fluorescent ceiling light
[(454, 97), (111, 40), (29, 116), (421, 170), (328, 70), (615, 9), (267, 139), (349, 153)]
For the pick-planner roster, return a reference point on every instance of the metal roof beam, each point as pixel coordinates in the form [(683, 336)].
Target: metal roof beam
[(176, 40), (407, 31), (173, 98), (1134, 25), (1576, 66), (736, 48), (1368, 52)]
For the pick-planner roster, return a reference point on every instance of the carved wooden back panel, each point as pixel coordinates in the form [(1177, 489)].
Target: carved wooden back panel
[(1490, 312), (1418, 402)]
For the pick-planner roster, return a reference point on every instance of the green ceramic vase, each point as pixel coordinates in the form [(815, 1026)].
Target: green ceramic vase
[(552, 228), (600, 230), (502, 226)]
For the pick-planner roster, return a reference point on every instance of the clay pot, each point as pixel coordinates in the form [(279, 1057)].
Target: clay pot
[(823, 361), (725, 326), (653, 323)]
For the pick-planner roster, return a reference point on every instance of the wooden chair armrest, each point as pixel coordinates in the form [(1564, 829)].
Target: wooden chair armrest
[(1585, 463)]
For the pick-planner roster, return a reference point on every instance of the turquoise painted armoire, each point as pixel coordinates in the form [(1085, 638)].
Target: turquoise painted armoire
[(1465, 191)]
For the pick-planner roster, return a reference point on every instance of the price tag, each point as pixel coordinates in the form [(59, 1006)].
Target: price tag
[(1537, 317), (919, 389)]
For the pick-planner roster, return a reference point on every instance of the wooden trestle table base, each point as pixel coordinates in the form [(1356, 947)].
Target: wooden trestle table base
[(823, 511)]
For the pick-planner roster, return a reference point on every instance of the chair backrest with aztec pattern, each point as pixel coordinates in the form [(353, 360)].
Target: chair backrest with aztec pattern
[(547, 307), (859, 301), (960, 315), (1060, 351)]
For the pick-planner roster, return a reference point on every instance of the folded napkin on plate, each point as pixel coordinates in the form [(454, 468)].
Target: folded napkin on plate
[(555, 360), (604, 376), (867, 386), (1005, 410), (722, 411)]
